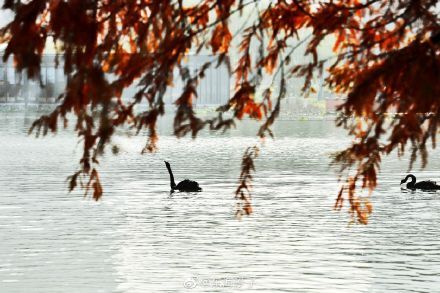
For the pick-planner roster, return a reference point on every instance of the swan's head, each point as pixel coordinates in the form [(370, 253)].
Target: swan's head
[(167, 164), (406, 178)]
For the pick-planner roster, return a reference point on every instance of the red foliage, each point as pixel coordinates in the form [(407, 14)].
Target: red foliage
[(243, 192), (386, 57)]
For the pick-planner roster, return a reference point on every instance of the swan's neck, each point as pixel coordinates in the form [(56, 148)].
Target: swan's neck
[(413, 180), (172, 183)]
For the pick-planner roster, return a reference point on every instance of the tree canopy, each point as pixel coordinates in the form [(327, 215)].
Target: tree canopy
[(387, 59)]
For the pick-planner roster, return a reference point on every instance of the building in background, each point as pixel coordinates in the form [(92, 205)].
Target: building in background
[(213, 89), (18, 88)]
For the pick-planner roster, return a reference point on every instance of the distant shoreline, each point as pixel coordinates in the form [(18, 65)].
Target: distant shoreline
[(201, 111)]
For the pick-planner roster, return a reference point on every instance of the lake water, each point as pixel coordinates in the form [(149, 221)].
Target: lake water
[(138, 238)]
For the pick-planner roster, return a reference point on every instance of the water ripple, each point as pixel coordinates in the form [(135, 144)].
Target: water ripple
[(140, 238)]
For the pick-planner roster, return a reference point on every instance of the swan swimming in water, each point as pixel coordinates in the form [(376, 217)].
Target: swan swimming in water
[(424, 185), (185, 185)]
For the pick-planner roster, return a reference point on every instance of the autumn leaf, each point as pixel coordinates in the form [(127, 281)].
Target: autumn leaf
[(386, 60)]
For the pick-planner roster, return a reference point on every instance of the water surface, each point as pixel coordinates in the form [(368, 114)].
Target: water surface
[(138, 238)]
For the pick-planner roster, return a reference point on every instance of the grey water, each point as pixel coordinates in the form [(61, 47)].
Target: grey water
[(139, 238)]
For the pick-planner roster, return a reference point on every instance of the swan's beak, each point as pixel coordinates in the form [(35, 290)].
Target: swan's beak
[(402, 181)]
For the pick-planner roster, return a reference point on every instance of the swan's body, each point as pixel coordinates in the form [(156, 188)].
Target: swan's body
[(185, 185), (424, 185)]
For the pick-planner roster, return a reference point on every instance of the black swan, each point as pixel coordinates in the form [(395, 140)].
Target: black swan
[(425, 185), (185, 185)]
